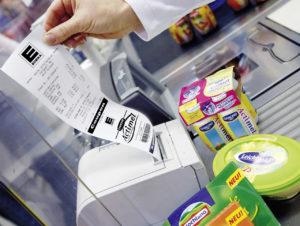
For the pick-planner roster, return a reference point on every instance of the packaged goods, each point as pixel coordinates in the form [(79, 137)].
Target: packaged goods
[(222, 95), (238, 122), (245, 99), (229, 199), (234, 214), (209, 96), (203, 19), (270, 162), (212, 132), (182, 31), (237, 5)]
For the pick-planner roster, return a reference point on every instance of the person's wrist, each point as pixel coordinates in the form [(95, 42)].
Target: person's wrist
[(134, 21)]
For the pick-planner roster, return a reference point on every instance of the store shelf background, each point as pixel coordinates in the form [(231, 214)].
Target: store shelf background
[(163, 49)]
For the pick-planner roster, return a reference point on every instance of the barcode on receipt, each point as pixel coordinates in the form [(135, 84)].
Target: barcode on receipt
[(146, 133)]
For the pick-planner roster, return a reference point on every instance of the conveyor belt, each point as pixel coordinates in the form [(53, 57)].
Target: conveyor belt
[(281, 115)]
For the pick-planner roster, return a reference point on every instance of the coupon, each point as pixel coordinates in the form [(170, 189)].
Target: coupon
[(52, 75)]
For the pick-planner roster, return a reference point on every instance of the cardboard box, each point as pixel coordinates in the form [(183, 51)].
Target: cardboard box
[(209, 96)]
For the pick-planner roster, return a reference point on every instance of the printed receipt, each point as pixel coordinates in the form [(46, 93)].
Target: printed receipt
[(53, 76)]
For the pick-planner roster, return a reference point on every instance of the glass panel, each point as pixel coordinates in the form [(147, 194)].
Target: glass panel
[(39, 162)]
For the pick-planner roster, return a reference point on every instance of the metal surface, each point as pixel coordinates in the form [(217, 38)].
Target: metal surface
[(258, 43), (233, 29), (279, 113)]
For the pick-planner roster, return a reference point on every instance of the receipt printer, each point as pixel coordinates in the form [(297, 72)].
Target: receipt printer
[(132, 188)]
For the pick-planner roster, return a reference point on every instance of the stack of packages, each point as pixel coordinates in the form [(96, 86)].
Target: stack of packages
[(218, 108), (228, 200)]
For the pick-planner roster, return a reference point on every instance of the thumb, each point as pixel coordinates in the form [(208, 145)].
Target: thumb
[(62, 31)]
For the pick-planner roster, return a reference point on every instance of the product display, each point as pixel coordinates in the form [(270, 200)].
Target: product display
[(238, 122), (209, 96), (221, 95), (212, 132), (249, 105), (254, 2), (203, 20), (229, 199), (233, 210), (237, 5), (270, 162), (182, 31), (245, 99)]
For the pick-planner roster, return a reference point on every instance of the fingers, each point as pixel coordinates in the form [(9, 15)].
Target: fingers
[(55, 13), (63, 31), (115, 35), (75, 40), (59, 22)]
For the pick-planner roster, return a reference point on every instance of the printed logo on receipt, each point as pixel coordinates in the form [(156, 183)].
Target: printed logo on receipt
[(127, 126), (52, 75), (97, 116), (31, 55)]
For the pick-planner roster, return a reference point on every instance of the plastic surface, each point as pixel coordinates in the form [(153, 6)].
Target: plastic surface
[(270, 162), (39, 160)]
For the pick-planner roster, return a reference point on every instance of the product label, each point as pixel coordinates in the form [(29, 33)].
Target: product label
[(213, 133), (194, 211), (231, 117), (246, 119), (240, 123), (222, 130), (209, 108), (219, 83), (255, 158), (201, 19), (227, 103), (214, 94), (188, 113), (196, 218), (191, 93), (261, 162), (235, 178), (236, 217), (52, 75), (207, 126)]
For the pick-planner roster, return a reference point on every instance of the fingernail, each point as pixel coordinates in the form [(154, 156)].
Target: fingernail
[(82, 41), (50, 39), (77, 38)]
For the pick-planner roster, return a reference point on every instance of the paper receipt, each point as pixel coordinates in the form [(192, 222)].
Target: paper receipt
[(52, 75)]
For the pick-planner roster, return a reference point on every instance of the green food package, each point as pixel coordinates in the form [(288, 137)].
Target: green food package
[(229, 199)]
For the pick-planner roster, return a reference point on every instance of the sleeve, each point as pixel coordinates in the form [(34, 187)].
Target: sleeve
[(158, 15)]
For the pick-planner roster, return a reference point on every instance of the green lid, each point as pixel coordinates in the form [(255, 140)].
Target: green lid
[(270, 162)]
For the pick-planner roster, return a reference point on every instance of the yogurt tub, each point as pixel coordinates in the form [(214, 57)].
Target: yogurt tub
[(270, 162)]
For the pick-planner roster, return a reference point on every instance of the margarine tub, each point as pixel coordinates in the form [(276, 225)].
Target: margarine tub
[(270, 162)]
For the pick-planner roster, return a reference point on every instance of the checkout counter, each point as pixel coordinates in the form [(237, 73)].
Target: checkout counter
[(268, 54), (64, 177)]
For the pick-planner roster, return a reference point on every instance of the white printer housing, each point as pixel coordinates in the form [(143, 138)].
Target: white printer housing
[(133, 187)]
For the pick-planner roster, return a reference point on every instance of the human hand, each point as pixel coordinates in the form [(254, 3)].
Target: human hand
[(71, 21)]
